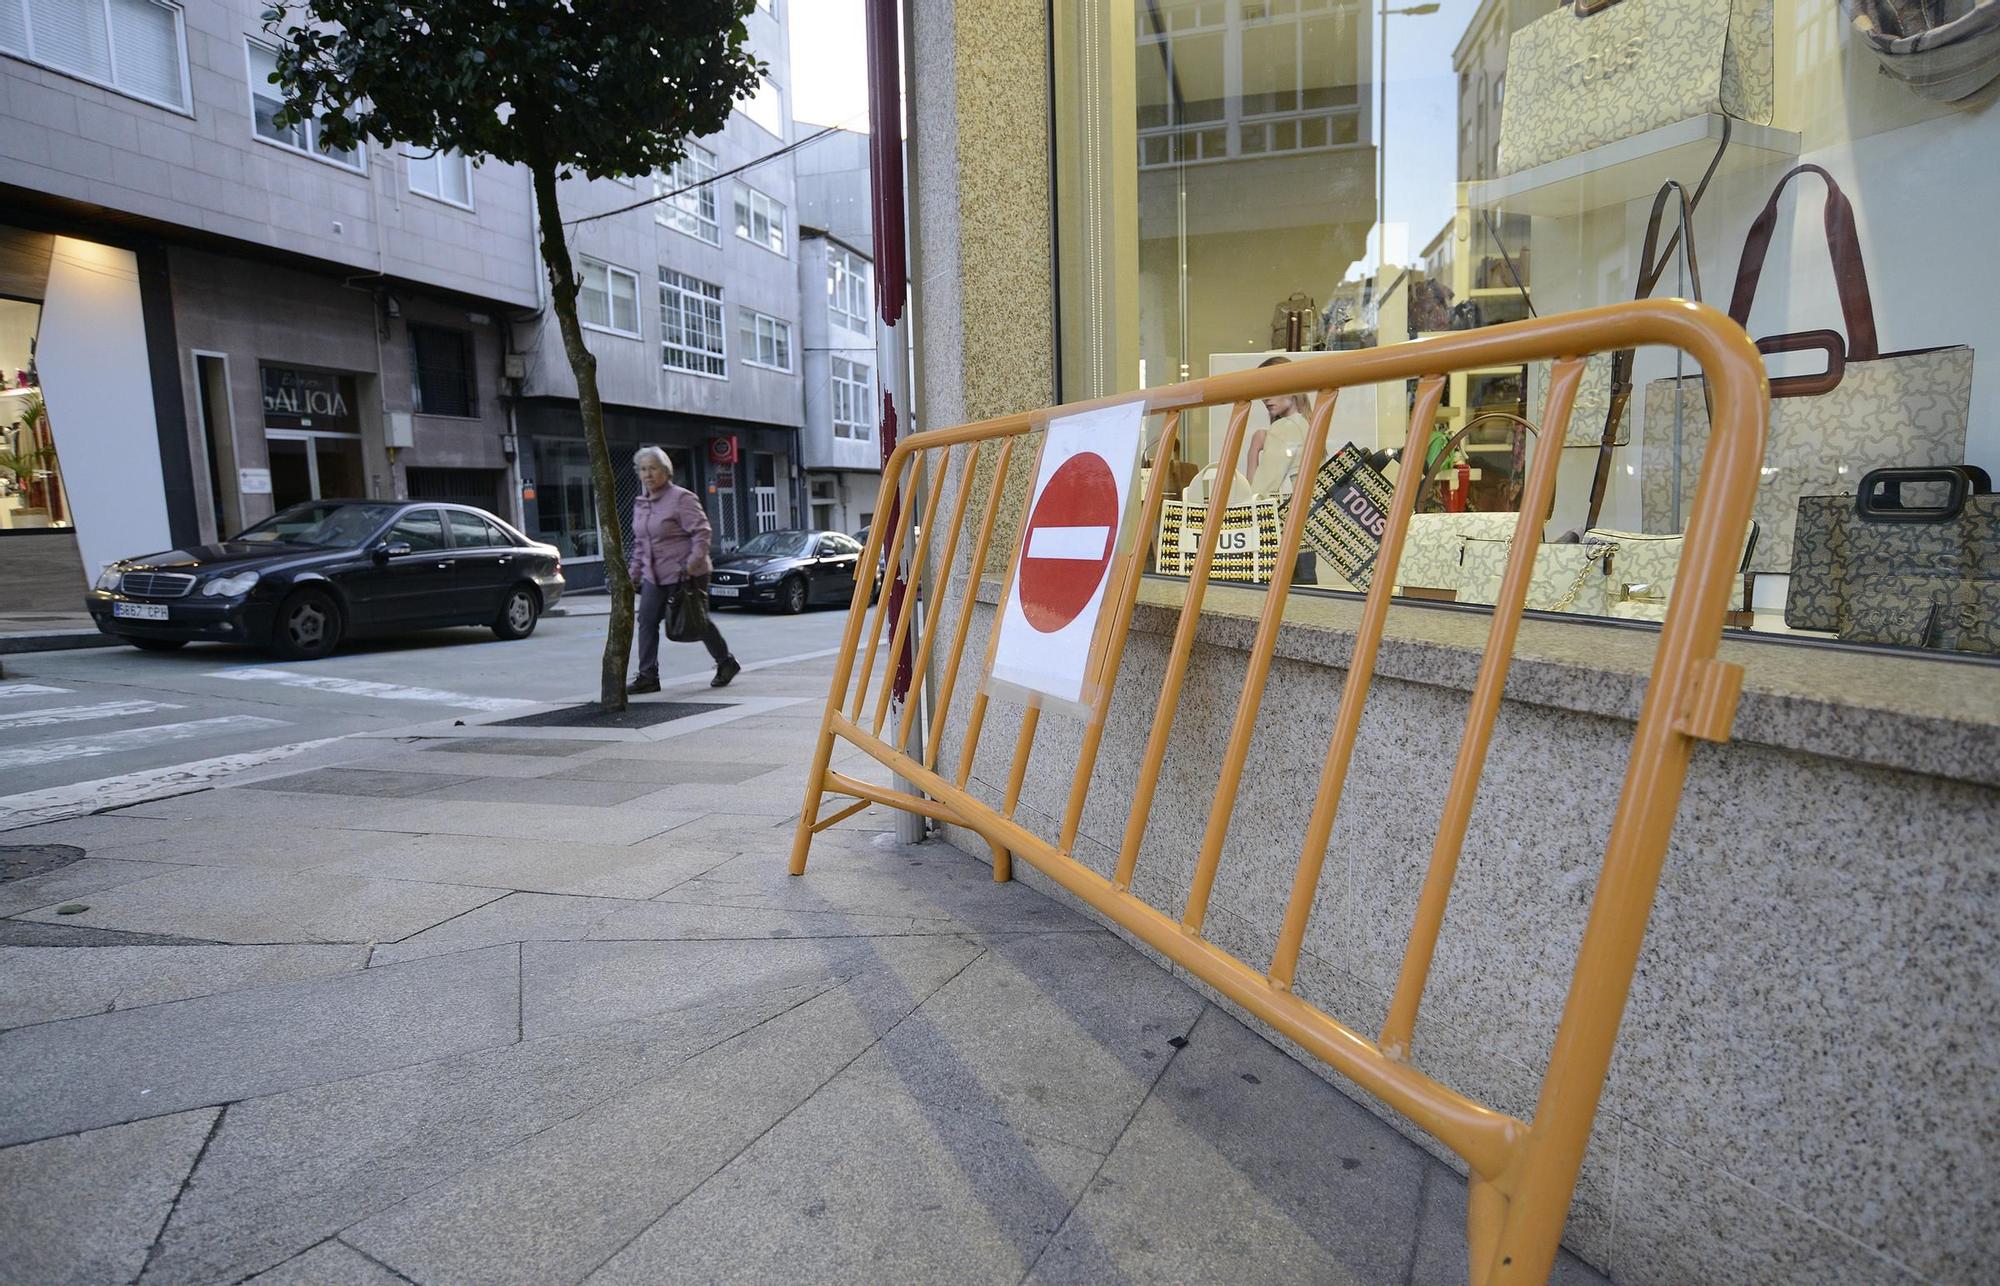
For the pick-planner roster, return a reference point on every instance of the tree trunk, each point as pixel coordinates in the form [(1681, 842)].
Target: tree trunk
[(611, 531)]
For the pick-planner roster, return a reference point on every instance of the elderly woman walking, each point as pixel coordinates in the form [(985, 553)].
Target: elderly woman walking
[(669, 545)]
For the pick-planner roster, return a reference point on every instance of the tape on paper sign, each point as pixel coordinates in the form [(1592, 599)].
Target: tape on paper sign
[(1071, 548)]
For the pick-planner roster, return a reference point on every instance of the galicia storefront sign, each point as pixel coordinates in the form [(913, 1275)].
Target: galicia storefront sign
[(296, 399)]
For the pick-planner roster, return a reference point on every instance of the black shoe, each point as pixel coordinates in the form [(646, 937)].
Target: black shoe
[(728, 670), (643, 684)]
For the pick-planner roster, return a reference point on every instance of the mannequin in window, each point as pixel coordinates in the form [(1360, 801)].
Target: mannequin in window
[(1273, 461)]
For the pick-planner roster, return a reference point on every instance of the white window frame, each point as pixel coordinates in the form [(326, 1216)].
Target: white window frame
[(685, 287), (584, 264), (849, 293), (851, 399), (359, 165), (760, 327), (438, 157), (183, 108), (765, 86), (747, 212), (697, 206)]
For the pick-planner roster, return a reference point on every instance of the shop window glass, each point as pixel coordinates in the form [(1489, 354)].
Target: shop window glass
[(31, 482), (564, 510), (1242, 181)]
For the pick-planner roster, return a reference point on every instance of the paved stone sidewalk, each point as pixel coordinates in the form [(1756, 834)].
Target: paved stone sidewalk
[(504, 1005)]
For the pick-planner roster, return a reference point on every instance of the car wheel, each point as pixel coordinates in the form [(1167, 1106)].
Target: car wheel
[(792, 596), (158, 645), (518, 614), (308, 626)]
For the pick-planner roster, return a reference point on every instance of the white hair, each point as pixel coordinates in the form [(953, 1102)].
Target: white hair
[(653, 455)]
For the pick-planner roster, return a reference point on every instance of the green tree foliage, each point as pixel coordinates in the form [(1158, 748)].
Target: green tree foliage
[(562, 87)]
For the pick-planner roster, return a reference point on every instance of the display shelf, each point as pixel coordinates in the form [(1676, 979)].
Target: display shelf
[(1634, 167), (1495, 292)]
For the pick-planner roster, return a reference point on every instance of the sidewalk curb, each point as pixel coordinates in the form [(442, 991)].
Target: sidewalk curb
[(55, 641)]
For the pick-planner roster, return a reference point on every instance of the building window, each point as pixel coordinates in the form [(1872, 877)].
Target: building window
[(607, 298), (766, 106), (691, 336), (442, 361), (691, 207), (444, 174), (853, 399), (767, 340), (137, 47), (847, 293), (265, 101), (760, 219)]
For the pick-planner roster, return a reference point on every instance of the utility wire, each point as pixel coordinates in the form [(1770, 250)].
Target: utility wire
[(752, 164)]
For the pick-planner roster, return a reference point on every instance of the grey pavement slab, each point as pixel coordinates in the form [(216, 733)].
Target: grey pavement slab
[(110, 1068), (560, 1203), (919, 1194), (80, 878), (528, 747), (660, 772), (1442, 1257), (85, 1208), (92, 831), (248, 844), (517, 917), (692, 920), (288, 1170), (242, 906), (570, 985), (361, 782), (421, 816), (696, 798), (29, 933), (391, 756), (545, 790), (42, 984), (1271, 1175), (1060, 1036), (331, 1263), (536, 866)]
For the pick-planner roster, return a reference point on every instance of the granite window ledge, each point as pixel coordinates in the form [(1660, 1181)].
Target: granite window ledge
[(1912, 714)]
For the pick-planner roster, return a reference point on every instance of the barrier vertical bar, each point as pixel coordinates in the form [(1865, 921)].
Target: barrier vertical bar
[(975, 573), (1258, 673), (935, 607), (1017, 773), (907, 513), (1183, 646), (1354, 691), (906, 611), (1536, 498), (1121, 627), (977, 722)]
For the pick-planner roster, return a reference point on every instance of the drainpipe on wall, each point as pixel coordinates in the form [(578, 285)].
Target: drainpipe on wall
[(885, 179)]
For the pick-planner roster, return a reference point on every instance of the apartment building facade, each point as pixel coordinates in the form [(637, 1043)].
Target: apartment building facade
[(839, 450), (222, 317)]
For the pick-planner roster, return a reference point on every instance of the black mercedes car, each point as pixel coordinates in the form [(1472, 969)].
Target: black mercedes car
[(307, 577), (789, 570)]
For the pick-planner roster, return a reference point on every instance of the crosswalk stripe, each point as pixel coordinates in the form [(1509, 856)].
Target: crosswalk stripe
[(111, 743), (371, 688), (55, 803), (28, 690), (82, 714)]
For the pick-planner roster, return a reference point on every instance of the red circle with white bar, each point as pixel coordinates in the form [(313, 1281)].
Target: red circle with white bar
[(1068, 544)]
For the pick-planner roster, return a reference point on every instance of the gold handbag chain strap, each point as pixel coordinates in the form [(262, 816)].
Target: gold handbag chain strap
[(1596, 551)]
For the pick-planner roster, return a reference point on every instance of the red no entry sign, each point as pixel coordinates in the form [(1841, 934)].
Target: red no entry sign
[(1069, 541)]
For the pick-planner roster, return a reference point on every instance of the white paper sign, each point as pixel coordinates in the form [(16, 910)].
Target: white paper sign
[(1075, 523), (254, 482)]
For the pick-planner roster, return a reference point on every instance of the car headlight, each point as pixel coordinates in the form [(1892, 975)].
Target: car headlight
[(230, 586), (108, 579), (767, 578)]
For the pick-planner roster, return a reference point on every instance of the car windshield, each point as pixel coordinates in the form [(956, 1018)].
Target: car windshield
[(320, 524), (783, 544)]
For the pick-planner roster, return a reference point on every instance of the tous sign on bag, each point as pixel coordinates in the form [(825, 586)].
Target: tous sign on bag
[(1868, 410), (1245, 550), (1603, 70)]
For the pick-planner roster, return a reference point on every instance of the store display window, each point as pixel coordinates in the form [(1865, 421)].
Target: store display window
[(1246, 181), (31, 485)]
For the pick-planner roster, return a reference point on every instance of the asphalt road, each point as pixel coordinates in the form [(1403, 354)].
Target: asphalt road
[(107, 721)]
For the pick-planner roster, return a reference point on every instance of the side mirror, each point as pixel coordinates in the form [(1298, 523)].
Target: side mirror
[(387, 550)]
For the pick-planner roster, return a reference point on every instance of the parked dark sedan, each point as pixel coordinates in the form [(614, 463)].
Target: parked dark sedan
[(789, 570), (304, 579)]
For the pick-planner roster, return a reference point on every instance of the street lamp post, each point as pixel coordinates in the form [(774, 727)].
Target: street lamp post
[(1382, 129)]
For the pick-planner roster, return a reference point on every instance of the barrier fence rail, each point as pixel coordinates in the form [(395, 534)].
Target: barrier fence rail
[(1522, 1173)]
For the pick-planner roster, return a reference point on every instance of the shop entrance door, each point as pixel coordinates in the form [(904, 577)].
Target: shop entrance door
[(313, 466)]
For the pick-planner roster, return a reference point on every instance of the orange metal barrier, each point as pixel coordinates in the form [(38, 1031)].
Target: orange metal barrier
[(1522, 1172)]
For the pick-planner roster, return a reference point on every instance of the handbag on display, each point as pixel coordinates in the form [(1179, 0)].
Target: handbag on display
[(1247, 548), (687, 610), (1646, 568), (1883, 566), (1574, 578), (1942, 50), (1434, 550), (1598, 71), (1349, 514), (1869, 410)]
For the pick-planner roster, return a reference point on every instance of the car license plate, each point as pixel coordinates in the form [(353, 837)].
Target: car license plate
[(723, 591), (140, 611)]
